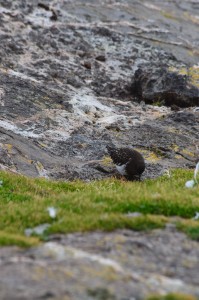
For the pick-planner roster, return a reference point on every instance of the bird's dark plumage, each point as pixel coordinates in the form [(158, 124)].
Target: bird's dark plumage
[(129, 162)]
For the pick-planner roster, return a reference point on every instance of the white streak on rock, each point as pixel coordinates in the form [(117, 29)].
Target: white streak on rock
[(2, 93), (84, 97), (60, 252), (10, 126)]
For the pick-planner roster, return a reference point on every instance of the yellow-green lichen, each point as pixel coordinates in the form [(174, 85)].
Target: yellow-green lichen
[(192, 73), (187, 152), (151, 156), (178, 156), (175, 147), (9, 147), (168, 15)]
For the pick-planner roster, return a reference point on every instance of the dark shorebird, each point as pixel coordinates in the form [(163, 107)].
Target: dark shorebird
[(129, 163)]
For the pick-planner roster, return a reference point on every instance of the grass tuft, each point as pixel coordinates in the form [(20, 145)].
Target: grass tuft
[(98, 205), (172, 296), (7, 239)]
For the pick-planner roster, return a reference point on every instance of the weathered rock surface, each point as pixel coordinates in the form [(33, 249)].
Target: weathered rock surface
[(120, 265), (66, 70), (159, 86)]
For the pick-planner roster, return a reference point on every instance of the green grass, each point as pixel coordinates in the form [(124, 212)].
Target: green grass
[(102, 205), (173, 296)]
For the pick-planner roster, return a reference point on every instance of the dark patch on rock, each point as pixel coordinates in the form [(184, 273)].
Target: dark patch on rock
[(25, 98), (87, 64), (118, 89), (184, 117), (175, 107), (4, 157), (101, 58), (44, 6), (68, 106), (101, 294), (104, 32), (159, 86)]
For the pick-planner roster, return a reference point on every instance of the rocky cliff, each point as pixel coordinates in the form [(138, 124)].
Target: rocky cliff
[(78, 75)]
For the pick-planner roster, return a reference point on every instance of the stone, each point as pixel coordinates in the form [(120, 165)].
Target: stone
[(117, 265), (56, 115), (158, 86)]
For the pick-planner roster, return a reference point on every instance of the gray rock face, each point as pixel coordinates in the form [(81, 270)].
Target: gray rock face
[(66, 71), (119, 265), (163, 87)]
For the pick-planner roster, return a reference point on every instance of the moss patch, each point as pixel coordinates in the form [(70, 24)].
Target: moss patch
[(7, 239), (173, 296)]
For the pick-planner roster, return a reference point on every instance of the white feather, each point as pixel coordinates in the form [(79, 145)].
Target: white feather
[(52, 212), (121, 169)]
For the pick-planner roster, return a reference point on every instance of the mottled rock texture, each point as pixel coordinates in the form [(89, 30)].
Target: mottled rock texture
[(161, 87), (78, 75), (112, 266)]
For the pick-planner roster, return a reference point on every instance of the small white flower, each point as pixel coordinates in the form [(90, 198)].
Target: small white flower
[(1, 183), (167, 173), (133, 214), (52, 212), (189, 184), (196, 216)]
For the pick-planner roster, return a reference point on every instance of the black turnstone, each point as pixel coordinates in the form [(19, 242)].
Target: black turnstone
[(129, 163)]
